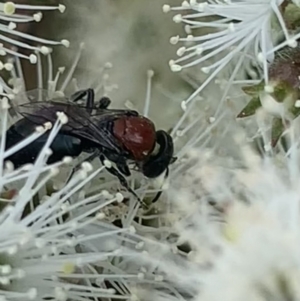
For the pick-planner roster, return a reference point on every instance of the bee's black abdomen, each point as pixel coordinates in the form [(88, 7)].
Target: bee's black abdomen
[(63, 145), (25, 155)]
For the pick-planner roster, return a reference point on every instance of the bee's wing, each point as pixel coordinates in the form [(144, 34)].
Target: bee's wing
[(79, 122), (113, 112)]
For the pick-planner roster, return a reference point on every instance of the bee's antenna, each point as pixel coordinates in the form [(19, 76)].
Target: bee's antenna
[(122, 180), (159, 193)]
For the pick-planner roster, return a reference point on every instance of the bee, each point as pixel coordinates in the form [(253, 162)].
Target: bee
[(120, 136)]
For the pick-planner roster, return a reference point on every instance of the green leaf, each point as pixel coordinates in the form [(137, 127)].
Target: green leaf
[(291, 16), (255, 89), (295, 111), (282, 91), (277, 130), (250, 108)]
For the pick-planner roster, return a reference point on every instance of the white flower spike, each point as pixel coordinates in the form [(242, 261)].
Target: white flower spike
[(44, 246), (9, 25), (235, 228), (243, 30)]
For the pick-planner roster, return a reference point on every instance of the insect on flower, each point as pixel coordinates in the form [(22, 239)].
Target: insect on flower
[(113, 135)]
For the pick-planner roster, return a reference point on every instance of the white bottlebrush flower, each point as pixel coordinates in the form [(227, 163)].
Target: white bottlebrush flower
[(235, 229), (64, 247), (239, 31), (296, 2), (11, 16), (41, 237), (60, 245), (50, 83), (134, 37), (61, 84)]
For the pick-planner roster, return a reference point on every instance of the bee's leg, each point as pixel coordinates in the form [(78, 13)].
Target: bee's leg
[(121, 178), (90, 158), (159, 193), (90, 98), (79, 95), (104, 103), (124, 169), (156, 164)]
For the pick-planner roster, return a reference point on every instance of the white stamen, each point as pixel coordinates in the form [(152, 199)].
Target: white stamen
[(9, 8), (119, 197), (66, 43), (38, 17), (166, 8), (107, 163), (67, 160), (87, 166), (62, 117), (61, 8)]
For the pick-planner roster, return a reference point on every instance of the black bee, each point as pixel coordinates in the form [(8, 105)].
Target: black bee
[(121, 136)]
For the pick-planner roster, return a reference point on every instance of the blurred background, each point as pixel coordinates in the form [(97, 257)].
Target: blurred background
[(132, 35)]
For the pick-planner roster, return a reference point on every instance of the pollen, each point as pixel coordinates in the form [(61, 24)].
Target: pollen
[(166, 8), (260, 57), (185, 4), (45, 50), (40, 129), (8, 66), (181, 51), (150, 73), (61, 8), (68, 268), (269, 89), (177, 18), (48, 125), (87, 166), (12, 25), (38, 17), (33, 58), (63, 118), (205, 70), (231, 233), (119, 197), (183, 105), (107, 163), (212, 119), (48, 152), (65, 43), (176, 68), (100, 216), (297, 103), (67, 160), (9, 8), (174, 40)]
